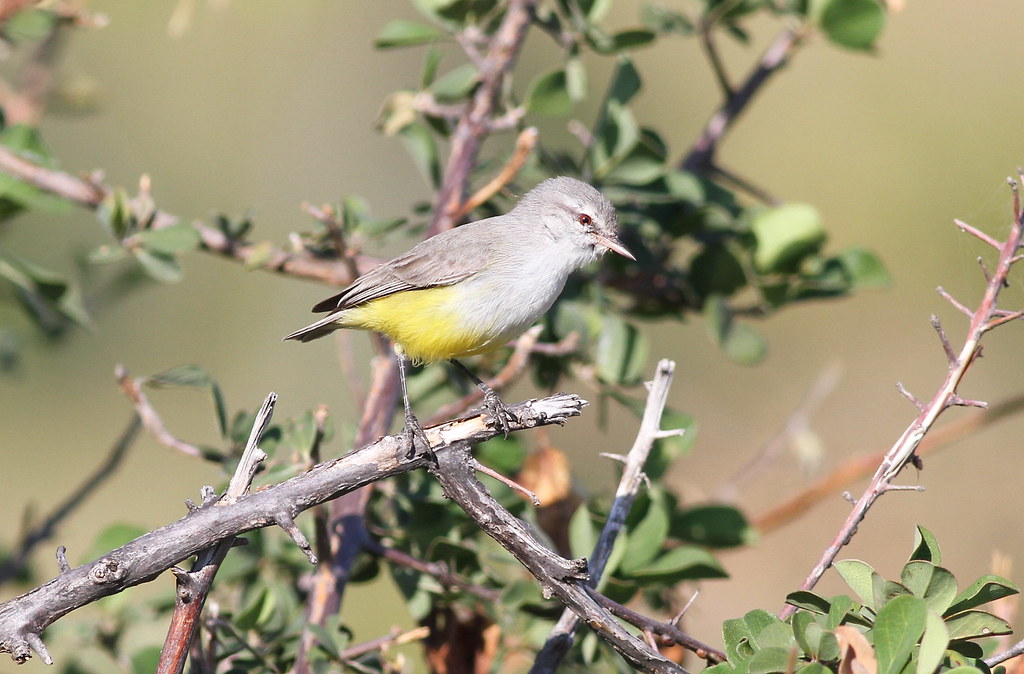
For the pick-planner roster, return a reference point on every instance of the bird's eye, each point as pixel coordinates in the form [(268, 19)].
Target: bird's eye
[(584, 219)]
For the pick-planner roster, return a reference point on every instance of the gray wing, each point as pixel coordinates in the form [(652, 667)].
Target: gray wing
[(441, 260)]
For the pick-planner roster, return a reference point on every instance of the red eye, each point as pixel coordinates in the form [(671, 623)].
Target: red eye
[(584, 219)]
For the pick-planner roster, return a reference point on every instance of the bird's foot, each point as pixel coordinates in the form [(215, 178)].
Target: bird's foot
[(502, 416), (412, 433)]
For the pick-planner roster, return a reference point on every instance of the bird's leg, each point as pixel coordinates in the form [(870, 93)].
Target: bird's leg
[(412, 431), (500, 413)]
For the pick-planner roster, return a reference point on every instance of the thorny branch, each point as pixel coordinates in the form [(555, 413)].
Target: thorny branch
[(23, 619), (560, 577), (561, 637), (986, 317), (194, 586)]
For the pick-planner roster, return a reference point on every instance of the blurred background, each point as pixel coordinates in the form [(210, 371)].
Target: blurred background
[(262, 106)]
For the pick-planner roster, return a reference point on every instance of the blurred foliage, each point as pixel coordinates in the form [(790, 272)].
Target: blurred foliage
[(701, 248), (920, 623)]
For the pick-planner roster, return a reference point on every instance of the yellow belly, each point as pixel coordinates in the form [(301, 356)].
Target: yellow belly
[(427, 324)]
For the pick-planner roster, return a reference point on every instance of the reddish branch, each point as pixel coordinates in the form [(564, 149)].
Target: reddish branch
[(478, 119), (986, 317)]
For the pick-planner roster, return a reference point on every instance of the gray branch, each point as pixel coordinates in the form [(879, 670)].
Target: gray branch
[(23, 619)]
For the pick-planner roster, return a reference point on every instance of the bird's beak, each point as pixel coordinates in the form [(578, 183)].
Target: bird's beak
[(612, 243)]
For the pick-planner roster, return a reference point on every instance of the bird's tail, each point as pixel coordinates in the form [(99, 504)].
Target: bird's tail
[(324, 326)]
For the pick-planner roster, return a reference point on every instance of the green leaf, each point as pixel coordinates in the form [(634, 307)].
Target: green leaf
[(785, 235), (771, 660), (898, 626), (982, 591), (250, 615), (934, 584), (111, 538), (926, 548), (621, 352), (422, 147), (646, 538), (860, 577), (808, 601), (933, 645), (549, 94), (406, 33), (740, 635), (854, 24), (864, 268), (46, 295), (159, 266), (713, 525), (740, 342), (576, 79), (583, 532), (717, 270), (145, 660), (665, 20), (631, 39), (505, 455), (170, 240), (193, 376), (625, 83), (976, 624), (683, 563), (456, 84)]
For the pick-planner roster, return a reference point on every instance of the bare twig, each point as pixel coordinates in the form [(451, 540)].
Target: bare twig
[(194, 586), (702, 155), (524, 146), (475, 122), (859, 467), (561, 637), (150, 419), (91, 193), (396, 638), (906, 446)]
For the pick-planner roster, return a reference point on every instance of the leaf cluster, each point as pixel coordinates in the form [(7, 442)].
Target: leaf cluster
[(919, 623)]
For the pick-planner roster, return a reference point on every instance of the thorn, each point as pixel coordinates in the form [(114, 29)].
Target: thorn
[(208, 493), (285, 521), (946, 346), (905, 487), (909, 396), (621, 458), (670, 433), (1004, 317), (984, 269), (965, 402), (191, 505), (679, 616), (849, 497), (510, 483), (952, 300), (62, 559), (974, 231), (39, 647)]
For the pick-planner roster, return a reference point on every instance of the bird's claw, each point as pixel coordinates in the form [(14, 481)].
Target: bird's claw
[(502, 416)]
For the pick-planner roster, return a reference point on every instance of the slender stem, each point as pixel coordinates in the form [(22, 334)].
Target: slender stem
[(946, 396)]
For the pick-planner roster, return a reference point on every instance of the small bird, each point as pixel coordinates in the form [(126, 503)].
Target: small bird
[(473, 288)]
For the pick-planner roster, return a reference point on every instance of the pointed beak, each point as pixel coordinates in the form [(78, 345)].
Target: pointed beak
[(612, 243)]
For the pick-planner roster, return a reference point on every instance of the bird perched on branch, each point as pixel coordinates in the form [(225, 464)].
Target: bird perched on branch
[(471, 289)]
